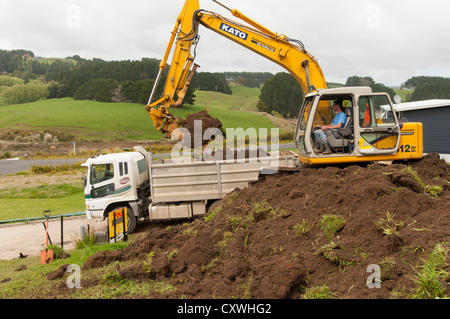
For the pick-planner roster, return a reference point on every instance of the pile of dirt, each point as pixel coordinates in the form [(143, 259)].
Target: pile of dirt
[(275, 239), (207, 121)]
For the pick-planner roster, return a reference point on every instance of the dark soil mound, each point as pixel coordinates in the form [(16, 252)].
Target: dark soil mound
[(207, 122), (275, 239)]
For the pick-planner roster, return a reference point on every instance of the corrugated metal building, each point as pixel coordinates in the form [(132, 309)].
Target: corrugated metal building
[(435, 117)]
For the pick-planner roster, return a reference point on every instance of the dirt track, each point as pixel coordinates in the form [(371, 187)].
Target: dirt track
[(29, 238)]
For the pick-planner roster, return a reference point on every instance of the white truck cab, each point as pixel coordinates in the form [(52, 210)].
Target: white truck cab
[(114, 181)]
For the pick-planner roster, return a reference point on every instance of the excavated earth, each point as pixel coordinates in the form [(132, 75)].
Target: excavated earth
[(251, 243), (207, 122)]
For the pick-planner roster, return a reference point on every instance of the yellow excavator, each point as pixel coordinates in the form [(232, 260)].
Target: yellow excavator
[(370, 132)]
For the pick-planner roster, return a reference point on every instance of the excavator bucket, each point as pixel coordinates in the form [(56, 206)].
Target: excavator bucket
[(173, 130)]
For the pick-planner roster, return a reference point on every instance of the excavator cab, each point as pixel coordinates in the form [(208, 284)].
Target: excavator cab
[(367, 133)]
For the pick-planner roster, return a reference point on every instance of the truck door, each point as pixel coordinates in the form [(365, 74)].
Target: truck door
[(378, 130), (102, 180)]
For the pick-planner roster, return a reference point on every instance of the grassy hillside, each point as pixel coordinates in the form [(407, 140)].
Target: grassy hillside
[(404, 94), (243, 99), (91, 120)]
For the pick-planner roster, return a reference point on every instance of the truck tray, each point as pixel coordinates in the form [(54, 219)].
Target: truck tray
[(204, 180)]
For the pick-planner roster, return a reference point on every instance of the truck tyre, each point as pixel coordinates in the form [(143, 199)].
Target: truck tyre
[(131, 220)]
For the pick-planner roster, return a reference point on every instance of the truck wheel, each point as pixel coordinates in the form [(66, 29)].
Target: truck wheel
[(131, 220)]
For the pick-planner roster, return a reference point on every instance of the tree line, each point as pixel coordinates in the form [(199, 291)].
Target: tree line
[(24, 64), (96, 79), (106, 81), (428, 87), (283, 94), (132, 81)]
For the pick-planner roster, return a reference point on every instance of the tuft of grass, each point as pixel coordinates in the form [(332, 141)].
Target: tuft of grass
[(190, 231), (226, 239), (147, 264), (302, 228), (236, 223), (319, 292), (431, 275), (231, 197), (388, 225), (330, 251), (386, 266), (213, 214), (172, 254), (87, 240), (432, 190), (332, 224), (263, 210)]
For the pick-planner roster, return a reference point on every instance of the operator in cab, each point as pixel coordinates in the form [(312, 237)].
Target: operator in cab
[(338, 122)]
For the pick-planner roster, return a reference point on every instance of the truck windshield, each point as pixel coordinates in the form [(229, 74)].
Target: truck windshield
[(101, 173)]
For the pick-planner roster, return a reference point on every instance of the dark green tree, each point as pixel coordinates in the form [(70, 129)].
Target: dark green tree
[(207, 81), (417, 81), (368, 81), (429, 91), (283, 94), (98, 90)]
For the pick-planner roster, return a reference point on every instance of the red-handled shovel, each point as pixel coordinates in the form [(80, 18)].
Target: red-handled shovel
[(47, 254)]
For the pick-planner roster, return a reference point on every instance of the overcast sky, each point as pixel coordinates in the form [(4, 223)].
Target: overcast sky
[(388, 40)]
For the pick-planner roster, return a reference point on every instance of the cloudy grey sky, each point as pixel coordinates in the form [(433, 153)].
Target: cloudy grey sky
[(389, 40)]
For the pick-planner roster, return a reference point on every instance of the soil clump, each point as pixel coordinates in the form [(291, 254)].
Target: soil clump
[(207, 122)]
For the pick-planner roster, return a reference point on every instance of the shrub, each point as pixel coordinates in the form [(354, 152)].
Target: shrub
[(25, 93)]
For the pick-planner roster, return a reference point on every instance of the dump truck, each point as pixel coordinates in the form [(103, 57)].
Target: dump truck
[(168, 189)]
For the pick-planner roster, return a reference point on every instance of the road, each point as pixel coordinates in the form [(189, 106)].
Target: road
[(12, 166)]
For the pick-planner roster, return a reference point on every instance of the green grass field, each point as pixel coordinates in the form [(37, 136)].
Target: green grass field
[(91, 120), (31, 194)]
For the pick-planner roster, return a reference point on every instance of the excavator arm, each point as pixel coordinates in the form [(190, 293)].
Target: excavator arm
[(280, 49)]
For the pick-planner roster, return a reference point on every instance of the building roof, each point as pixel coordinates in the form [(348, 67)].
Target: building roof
[(418, 105)]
